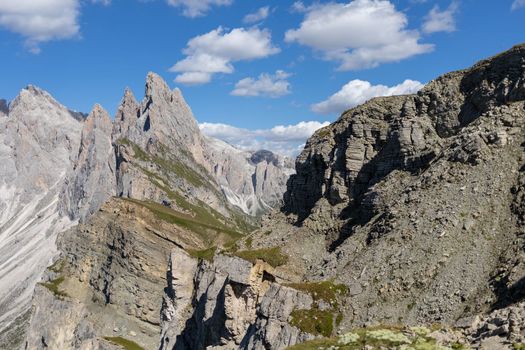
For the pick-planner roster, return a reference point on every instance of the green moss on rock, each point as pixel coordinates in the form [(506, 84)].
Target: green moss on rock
[(272, 256), (54, 287), (325, 290), (124, 343), (314, 321)]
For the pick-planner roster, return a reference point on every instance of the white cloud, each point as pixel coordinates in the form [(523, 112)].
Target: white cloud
[(40, 21), (517, 4), (197, 8), (441, 21), (103, 2), (298, 6), (357, 92), (282, 139), (268, 85), (257, 16), (359, 34), (214, 52)]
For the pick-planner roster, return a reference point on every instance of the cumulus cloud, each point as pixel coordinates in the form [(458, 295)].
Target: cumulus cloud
[(214, 52), (441, 21), (282, 139), (359, 34), (268, 85), (357, 92), (197, 8), (40, 21), (517, 4), (257, 16)]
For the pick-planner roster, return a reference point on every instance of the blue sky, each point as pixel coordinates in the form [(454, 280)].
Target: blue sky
[(250, 65)]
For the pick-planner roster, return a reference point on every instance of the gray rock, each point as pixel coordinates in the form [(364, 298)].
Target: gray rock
[(93, 178)]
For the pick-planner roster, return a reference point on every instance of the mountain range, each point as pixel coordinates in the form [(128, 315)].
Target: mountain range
[(60, 167), (401, 227)]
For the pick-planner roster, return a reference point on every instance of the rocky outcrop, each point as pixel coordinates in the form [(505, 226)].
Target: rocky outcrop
[(253, 181), (231, 304), (109, 280), (93, 178)]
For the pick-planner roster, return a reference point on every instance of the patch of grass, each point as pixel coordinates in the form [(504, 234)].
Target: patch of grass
[(323, 132), (272, 256), (54, 287), (314, 321), (376, 338), (167, 165), (325, 290), (248, 242), (124, 343), (170, 166), (57, 267), (205, 254), (194, 224), (518, 346), (203, 212)]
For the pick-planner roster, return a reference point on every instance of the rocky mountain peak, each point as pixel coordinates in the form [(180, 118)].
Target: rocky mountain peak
[(157, 87), (98, 117)]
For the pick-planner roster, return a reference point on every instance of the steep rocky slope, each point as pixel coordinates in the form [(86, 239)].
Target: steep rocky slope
[(39, 139)]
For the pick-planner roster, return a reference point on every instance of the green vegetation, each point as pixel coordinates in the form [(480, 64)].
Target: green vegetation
[(518, 346), (325, 290), (124, 343), (205, 254), (248, 242), (272, 256), (314, 321), (57, 267), (169, 167), (194, 224), (417, 338), (54, 287)]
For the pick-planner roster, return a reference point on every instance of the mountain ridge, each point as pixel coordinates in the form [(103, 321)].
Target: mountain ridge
[(150, 151)]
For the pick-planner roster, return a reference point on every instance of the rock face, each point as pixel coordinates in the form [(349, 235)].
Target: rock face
[(253, 181), (39, 140), (232, 304), (93, 180), (417, 197)]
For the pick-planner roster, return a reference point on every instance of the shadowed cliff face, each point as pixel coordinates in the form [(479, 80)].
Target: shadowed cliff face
[(341, 162)]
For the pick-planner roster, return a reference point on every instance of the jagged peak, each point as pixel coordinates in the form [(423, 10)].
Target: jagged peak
[(155, 85), (36, 97), (98, 112), (128, 98)]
